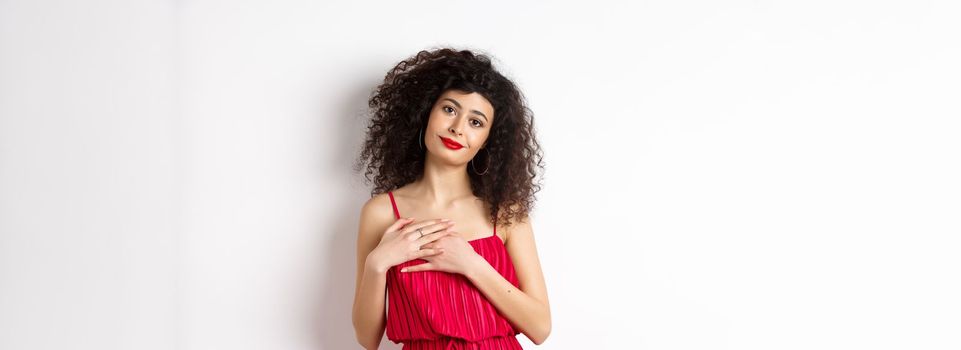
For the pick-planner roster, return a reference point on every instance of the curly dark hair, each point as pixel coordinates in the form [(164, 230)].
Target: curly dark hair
[(400, 108)]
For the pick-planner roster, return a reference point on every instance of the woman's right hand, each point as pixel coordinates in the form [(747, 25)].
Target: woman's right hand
[(401, 242)]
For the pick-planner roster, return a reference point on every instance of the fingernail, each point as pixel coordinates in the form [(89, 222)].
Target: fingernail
[(403, 270), (445, 220)]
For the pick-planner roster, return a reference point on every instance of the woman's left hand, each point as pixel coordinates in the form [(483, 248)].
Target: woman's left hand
[(458, 256)]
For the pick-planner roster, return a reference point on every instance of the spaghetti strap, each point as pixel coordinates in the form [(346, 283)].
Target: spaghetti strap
[(394, 204)]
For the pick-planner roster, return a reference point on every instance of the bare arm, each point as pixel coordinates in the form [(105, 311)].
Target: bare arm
[(527, 308), (369, 315), (383, 242)]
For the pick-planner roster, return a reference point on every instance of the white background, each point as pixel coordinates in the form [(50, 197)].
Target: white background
[(736, 175)]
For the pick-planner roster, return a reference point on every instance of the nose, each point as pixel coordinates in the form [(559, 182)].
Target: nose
[(453, 128)]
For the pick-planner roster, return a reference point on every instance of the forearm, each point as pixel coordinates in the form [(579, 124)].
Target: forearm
[(530, 315), (368, 312)]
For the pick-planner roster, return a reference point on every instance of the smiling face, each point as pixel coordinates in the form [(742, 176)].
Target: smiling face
[(458, 126)]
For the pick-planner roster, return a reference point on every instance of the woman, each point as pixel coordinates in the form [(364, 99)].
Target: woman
[(451, 146)]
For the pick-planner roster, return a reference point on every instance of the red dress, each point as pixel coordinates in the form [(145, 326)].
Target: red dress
[(442, 310)]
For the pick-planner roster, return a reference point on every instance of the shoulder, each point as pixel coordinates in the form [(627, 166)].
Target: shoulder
[(377, 213), (518, 225)]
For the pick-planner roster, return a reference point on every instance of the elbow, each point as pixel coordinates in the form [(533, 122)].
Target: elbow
[(541, 334), (366, 342), (368, 346), (540, 338)]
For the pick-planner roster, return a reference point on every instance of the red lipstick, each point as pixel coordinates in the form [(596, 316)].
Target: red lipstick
[(451, 143)]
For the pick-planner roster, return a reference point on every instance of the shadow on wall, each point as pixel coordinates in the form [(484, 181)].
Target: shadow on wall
[(330, 318)]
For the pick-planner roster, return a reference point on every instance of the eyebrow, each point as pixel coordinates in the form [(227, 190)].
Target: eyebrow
[(473, 110)]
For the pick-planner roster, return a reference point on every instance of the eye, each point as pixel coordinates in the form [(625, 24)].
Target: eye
[(445, 108), (479, 123)]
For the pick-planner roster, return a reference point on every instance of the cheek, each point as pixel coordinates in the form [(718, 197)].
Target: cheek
[(432, 119), (435, 124), (479, 139)]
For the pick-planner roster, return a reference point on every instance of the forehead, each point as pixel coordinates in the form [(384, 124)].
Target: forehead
[(469, 101)]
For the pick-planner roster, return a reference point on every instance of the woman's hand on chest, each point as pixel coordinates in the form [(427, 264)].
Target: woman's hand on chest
[(457, 256)]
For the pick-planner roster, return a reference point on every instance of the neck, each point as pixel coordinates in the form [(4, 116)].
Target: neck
[(442, 184)]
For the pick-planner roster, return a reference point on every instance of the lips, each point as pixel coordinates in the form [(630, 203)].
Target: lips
[(451, 143)]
